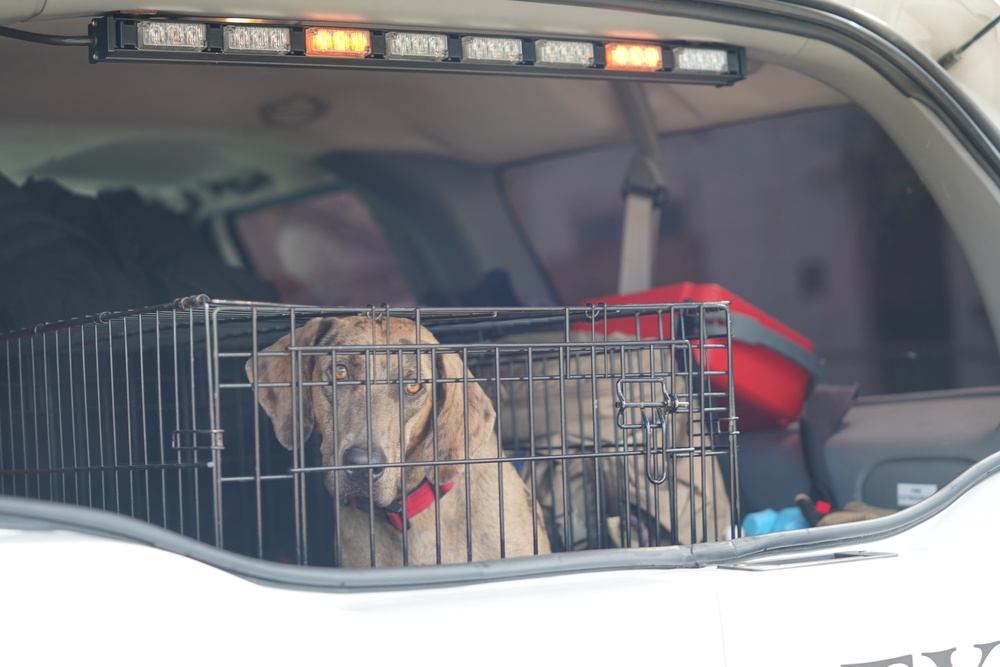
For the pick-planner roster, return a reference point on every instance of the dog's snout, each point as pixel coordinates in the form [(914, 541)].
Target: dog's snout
[(358, 456)]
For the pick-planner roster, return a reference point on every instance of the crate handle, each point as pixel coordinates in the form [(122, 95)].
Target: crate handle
[(649, 454)]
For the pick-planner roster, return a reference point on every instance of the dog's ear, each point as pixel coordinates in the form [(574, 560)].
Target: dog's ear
[(277, 401), (453, 405)]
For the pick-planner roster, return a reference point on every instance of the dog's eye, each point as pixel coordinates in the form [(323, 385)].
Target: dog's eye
[(340, 372), (413, 388)]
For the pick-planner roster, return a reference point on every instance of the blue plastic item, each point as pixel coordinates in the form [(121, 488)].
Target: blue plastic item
[(773, 521)]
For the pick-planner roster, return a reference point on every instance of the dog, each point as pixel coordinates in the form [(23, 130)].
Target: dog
[(375, 410)]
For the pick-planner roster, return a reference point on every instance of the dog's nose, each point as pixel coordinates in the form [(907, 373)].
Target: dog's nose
[(358, 456)]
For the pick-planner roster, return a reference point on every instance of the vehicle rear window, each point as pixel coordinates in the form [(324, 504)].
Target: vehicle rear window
[(324, 250), (815, 218)]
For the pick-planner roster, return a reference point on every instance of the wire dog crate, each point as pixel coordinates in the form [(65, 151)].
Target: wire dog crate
[(381, 436)]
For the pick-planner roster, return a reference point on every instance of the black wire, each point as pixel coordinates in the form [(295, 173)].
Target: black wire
[(950, 58), (54, 40)]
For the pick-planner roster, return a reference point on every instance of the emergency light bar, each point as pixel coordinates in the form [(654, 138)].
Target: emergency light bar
[(259, 43)]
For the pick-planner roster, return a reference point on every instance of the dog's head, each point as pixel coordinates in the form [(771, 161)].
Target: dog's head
[(375, 407)]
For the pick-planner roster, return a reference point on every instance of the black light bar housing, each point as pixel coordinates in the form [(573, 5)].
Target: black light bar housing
[(115, 38)]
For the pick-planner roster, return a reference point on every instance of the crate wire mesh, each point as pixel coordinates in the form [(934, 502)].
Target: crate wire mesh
[(151, 413)]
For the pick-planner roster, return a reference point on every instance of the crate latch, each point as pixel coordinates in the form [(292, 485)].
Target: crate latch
[(653, 412), (659, 406)]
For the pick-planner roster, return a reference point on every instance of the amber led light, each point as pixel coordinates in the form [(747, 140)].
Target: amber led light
[(632, 56), (338, 42)]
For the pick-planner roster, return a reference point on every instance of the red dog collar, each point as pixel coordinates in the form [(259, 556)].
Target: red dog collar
[(417, 500)]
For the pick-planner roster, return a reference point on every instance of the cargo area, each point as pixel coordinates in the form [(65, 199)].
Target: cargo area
[(686, 288)]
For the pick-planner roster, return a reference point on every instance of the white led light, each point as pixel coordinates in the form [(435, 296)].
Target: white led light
[(692, 59), (492, 50), (416, 46), (256, 39), (559, 53), (172, 36)]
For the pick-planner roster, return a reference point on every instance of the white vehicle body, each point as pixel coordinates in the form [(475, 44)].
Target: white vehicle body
[(906, 600)]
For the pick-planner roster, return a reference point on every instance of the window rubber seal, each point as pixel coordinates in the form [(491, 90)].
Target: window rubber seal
[(42, 515)]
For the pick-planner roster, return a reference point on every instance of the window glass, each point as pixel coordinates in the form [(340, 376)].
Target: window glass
[(814, 218), (325, 250)]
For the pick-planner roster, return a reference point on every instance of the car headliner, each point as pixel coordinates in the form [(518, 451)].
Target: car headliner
[(121, 110)]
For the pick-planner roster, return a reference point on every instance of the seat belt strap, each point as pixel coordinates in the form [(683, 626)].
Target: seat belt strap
[(639, 232), (644, 190)]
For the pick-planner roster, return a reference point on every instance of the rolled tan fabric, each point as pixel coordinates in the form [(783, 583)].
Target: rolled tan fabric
[(854, 511)]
